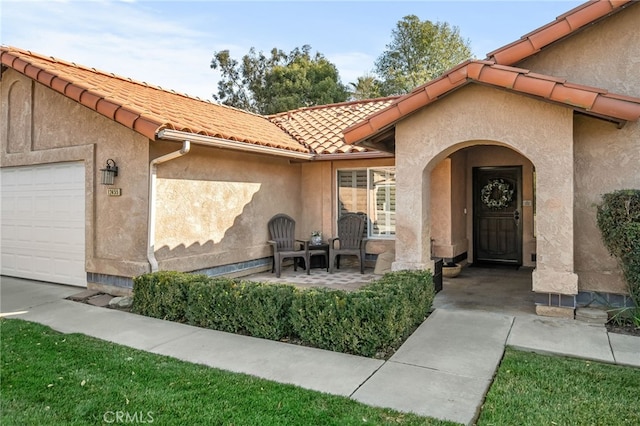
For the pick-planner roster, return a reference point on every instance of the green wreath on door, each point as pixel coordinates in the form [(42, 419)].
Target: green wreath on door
[(497, 194)]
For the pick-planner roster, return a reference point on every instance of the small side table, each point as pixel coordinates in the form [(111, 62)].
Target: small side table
[(318, 260)]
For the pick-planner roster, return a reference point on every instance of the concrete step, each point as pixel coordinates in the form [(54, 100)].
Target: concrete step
[(592, 315), (83, 295), (101, 300)]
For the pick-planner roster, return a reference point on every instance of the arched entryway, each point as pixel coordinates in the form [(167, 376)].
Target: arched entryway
[(475, 124), (482, 207), (482, 210)]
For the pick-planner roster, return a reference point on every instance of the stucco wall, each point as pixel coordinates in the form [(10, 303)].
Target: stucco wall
[(41, 126), (607, 159), (213, 205), (317, 199), (541, 132), (459, 203), (441, 209), (605, 55), (448, 206)]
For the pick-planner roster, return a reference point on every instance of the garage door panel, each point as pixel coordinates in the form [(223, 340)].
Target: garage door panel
[(43, 222), (44, 264), (10, 233)]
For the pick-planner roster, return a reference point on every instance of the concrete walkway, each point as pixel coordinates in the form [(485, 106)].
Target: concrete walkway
[(443, 370)]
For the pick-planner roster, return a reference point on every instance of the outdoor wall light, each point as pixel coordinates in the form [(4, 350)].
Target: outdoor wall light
[(109, 173)]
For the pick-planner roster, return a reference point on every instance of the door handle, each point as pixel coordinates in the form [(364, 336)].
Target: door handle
[(516, 216)]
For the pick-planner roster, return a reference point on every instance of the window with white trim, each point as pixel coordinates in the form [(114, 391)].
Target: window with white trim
[(371, 192)]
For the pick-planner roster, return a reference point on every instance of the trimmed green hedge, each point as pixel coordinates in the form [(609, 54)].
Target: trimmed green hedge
[(243, 307), (223, 304), (164, 294), (618, 218), (370, 322)]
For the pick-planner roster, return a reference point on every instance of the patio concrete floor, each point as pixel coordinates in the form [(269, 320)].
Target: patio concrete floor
[(504, 290), (346, 278)]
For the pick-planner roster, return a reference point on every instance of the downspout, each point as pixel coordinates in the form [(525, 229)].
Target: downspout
[(151, 221)]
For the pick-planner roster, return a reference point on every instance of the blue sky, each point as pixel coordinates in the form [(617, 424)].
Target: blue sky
[(171, 43)]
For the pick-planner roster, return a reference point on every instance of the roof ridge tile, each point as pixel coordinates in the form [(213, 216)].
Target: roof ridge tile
[(328, 106), (585, 87), (564, 25)]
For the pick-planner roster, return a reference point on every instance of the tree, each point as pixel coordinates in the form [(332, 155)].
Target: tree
[(279, 82), (419, 52), (367, 87), (231, 90)]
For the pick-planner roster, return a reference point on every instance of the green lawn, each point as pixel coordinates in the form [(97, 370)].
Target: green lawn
[(532, 389), (48, 378)]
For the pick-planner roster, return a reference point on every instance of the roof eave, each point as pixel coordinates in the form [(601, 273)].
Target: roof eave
[(365, 155), (587, 100), (198, 139), (563, 26), (618, 122), (124, 115)]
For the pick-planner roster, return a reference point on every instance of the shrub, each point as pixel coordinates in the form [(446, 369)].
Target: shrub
[(334, 320), (219, 303), (244, 307), (265, 308), (211, 304), (618, 218), (371, 321), (164, 294)]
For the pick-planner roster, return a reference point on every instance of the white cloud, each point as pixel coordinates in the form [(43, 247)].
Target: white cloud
[(171, 43), (121, 38)]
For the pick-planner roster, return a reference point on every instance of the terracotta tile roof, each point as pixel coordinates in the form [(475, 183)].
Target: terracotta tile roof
[(564, 25), (588, 100), (144, 108), (321, 127)]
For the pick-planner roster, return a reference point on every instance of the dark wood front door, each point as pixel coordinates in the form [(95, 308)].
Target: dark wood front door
[(497, 217)]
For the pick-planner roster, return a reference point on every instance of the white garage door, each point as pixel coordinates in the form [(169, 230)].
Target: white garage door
[(43, 223)]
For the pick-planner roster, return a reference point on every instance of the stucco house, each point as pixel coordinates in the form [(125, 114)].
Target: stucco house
[(196, 184), (499, 160)]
